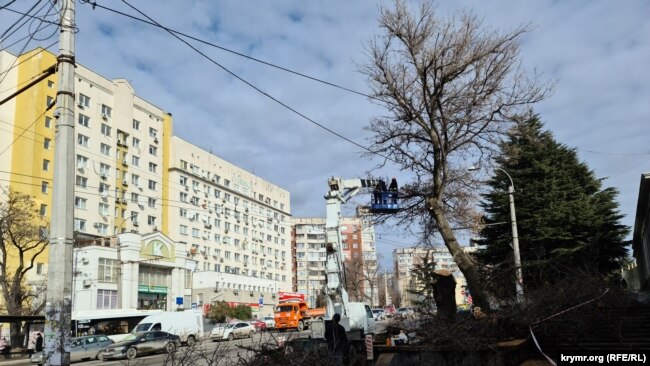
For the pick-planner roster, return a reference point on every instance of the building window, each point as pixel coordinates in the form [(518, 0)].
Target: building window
[(152, 185), (104, 169), (81, 181), (46, 165), (106, 111), (183, 197), (135, 180), (107, 270), (48, 122), (152, 202), (152, 132), (134, 197), (103, 209), (84, 120), (80, 203), (79, 224), (106, 130), (82, 161), (151, 220), (183, 230), (152, 167), (136, 124), (84, 101), (183, 164), (153, 150), (196, 232), (105, 149), (82, 140), (103, 187), (135, 160), (102, 229), (47, 143), (136, 143), (45, 187), (49, 100), (188, 278), (43, 210), (106, 299), (39, 268)]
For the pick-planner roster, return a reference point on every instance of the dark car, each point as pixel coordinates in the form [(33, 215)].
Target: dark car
[(136, 344)]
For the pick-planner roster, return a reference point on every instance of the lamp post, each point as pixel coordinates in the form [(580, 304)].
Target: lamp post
[(519, 284)]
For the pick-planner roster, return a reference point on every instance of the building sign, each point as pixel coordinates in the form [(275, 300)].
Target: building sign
[(179, 300), (159, 250), (152, 289)]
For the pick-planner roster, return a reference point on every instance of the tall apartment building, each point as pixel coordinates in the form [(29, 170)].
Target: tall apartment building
[(233, 221), (132, 176), (119, 144), (405, 258), (309, 241)]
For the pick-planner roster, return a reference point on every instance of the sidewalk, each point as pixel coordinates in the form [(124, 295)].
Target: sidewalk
[(16, 360)]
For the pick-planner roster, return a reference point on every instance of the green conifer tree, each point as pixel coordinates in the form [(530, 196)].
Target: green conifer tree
[(566, 221)]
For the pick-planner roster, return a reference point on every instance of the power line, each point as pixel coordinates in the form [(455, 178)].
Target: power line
[(258, 89), (267, 63), (28, 58)]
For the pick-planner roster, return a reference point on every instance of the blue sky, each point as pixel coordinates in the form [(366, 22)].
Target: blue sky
[(597, 51)]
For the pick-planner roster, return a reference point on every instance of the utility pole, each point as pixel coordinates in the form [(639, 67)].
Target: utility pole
[(58, 308), (519, 284)]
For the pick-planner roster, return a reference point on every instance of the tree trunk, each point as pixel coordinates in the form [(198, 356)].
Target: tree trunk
[(462, 259), (444, 293)]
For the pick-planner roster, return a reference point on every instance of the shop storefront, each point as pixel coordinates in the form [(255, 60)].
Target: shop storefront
[(152, 297)]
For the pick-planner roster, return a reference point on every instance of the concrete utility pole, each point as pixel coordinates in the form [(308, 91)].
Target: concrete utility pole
[(58, 308)]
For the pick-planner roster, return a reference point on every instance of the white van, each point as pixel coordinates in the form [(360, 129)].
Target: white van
[(188, 324)]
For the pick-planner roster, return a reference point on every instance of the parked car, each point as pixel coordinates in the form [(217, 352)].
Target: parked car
[(405, 312), (137, 344), (259, 325), (81, 348), (270, 322), (231, 331), (378, 313)]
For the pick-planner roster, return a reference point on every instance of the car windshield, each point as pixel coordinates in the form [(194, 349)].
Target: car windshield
[(285, 308), (142, 327)]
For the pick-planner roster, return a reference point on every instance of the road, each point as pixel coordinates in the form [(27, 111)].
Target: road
[(208, 350)]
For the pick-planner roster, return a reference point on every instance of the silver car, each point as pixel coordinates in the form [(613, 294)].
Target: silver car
[(81, 348)]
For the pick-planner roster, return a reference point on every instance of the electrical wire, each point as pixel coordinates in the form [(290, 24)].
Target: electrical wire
[(207, 43), (233, 74), (31, 37), (28, 58)]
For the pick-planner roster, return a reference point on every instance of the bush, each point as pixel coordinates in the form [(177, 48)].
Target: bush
[(221, 311)]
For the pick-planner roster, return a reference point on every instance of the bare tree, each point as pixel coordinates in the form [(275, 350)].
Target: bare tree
[(452, 88), (354, 278), (22, 241)]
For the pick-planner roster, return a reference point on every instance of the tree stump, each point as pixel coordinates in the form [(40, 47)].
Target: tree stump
[(444, 293)]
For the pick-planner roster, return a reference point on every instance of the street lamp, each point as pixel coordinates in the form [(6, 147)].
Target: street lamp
[(519, 285)]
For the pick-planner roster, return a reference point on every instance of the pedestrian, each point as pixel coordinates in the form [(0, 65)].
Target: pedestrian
[(31, 343), (38, 347), (4, 348), (337, 340)]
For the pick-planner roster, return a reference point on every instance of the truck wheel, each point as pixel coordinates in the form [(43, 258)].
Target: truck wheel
[(191, 340), (301, 326), (131, 353)]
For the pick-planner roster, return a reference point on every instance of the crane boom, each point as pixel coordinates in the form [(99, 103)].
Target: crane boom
[(340, 192)]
